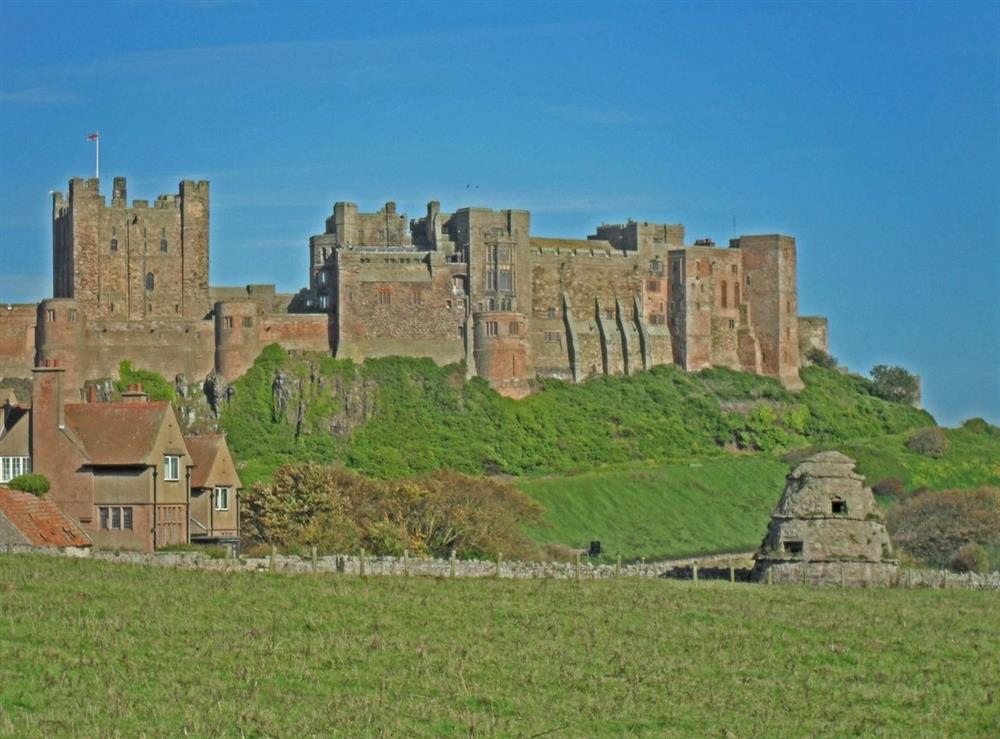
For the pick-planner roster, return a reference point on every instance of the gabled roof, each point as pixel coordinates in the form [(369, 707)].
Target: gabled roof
[(40, 521), (203, 450), (117, 433)]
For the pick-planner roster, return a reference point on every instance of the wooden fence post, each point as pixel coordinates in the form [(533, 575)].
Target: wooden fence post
[(618, 566), (770, 576), (577, 565), (694, 572), (732, 574), (499, 560), (361, 563), (406, 563), (315, 558), (452, 563), (274, 551)]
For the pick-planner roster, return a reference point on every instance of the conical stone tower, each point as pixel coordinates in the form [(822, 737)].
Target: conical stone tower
[(826, 529)]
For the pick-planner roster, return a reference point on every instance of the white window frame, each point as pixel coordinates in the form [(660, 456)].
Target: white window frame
[(11, 467), (171, 463), (221, 496)]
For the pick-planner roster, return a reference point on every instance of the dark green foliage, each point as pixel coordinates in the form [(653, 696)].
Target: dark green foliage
[(891, 487), (895, 384), (30, 483), (971, 557), (820, 358), (397, 416), (931, 442), (153, 383)]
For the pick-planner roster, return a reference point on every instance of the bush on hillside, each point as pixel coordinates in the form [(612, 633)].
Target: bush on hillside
[(895, 384), (30, 483), (889, 486), (980, 426), (340, 511), (933, 526), (153, 383), (930, 442), (971, 557), (820, 358)]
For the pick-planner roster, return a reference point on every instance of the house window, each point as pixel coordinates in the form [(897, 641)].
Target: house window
[(247, 322), (114, 245), (163, 245), (171, 467), (115, 518), (384, 296), (150, 281), (227, 322), (222, 499), (514, 328), (50, 314), (491, 328), (11, 467)]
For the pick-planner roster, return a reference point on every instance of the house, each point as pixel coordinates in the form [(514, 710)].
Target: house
[(29, 520), (215, 486), (123, 470), (14, 457)]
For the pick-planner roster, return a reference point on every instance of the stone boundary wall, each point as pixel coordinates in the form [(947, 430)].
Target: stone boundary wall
[(718, 567)]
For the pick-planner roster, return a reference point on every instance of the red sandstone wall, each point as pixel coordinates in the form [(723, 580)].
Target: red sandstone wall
[(17, 340)]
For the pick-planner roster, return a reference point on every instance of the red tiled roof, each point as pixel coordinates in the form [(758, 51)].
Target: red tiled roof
[(40, 520), (203, 451), (117, 433)]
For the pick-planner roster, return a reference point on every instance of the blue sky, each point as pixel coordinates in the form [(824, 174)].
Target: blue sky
[(871, 132)]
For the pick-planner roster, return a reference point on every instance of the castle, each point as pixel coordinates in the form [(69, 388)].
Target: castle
[(131, 281)]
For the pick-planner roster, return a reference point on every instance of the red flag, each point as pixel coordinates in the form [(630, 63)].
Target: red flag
[(93, 137)]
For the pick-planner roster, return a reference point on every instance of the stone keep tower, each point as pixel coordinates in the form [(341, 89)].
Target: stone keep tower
[(826, 529)]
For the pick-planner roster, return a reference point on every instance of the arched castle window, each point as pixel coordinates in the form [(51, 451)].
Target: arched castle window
[(150, 281), (725, 294), (384, 296), (114, 245), (736, 293), (163, 245)]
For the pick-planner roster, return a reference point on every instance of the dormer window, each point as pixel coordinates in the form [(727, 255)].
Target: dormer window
[(171, 467)]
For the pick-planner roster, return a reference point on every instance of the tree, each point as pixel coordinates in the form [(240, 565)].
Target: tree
[(895, 384), (820, 358)]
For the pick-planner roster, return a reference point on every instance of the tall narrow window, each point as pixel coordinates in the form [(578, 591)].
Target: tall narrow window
[(171, 467), (384, 296), (163, 245), (725, 294), (736, 294), (50, 314), (150, 281), (114, 245), (222, 499)]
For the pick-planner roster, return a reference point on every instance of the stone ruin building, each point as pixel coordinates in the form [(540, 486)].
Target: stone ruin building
[(826, 529), (130, 281)]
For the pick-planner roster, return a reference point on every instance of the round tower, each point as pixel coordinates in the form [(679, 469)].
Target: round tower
[(237, 336), (501, 351), (60, 341)]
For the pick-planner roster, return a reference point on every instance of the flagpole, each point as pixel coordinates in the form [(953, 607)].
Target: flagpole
[(97, 156)]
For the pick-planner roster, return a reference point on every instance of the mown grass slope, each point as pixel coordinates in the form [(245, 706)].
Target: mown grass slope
[(661, 511), (96, 649)]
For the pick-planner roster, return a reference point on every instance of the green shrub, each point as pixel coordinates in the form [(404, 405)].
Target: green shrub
[(820, 358), (930, 442), (971, 557), (30, 483), (933, 526), (889, 486), (153, 383)]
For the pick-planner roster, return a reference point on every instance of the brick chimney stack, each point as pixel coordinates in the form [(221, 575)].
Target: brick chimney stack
[(135, 394), (47, 411)]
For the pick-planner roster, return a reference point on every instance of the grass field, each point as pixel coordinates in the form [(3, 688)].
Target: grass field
[(96, 649), (662, 511)]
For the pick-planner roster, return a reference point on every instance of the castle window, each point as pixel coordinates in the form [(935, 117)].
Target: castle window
[(150, 281), (553, 337), (788, 332), (788, 306), (653, 286), (461, 332), (247, 322), (748, 280), (491, 328), (322, 302), (732, 323), (514, 328), (50, 314), (72, 315), (609, 313), (492, 304), (550, 313), (384, 296), (734, 269), (505, 304), (736, 293), (656, 266), (163, 245), (114, 245), (725, 294), (321, 277), (227, 322), (839, 507), (448, 304), (415, 296)]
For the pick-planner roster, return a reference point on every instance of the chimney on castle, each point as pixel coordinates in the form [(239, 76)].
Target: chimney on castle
[(47, 411), (135, 394)]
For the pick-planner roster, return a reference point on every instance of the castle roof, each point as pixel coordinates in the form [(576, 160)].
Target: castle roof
[(39, 521), (117, 434)]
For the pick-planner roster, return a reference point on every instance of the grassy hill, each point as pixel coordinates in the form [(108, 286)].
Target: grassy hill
[(97, 649)]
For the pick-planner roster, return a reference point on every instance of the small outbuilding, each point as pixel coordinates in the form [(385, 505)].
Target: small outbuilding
[(27, 520), (826, 529)]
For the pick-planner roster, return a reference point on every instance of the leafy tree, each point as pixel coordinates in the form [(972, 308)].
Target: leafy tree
[(820, 358), (932, 526), (895, 384), (30, 483), (971, 557)]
